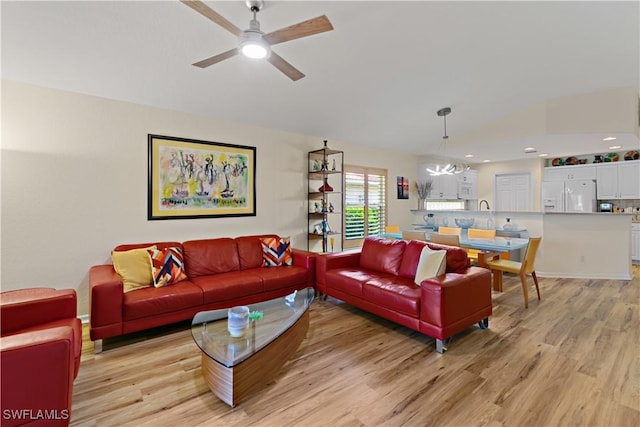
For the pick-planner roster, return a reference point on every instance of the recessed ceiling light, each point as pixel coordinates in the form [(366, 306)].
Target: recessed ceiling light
[(468, 156), (529, 150), (486, 161), (543, 155), (615, 147), (610, 138)]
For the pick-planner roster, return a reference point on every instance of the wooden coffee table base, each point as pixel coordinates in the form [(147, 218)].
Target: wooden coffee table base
[(233, 384)]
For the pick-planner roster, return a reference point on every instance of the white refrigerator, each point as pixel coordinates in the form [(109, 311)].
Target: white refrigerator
[(569, 196)]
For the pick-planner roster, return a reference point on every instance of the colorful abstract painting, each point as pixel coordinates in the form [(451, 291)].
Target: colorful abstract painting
[(190, 178)]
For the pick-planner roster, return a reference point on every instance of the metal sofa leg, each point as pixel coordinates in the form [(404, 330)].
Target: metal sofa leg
[(484, 323), (441, 345), (97, 346)]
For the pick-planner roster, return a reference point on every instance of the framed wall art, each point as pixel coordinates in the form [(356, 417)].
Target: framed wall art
[(188, 178), (403, 187)]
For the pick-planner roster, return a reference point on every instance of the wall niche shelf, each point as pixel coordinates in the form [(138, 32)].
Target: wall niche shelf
[(325, 218)]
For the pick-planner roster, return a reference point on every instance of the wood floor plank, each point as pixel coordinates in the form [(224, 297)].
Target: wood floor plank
[(572, 358)]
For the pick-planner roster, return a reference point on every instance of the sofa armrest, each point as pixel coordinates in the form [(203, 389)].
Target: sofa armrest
[(307, 260), (24, 308), (326, 262), (106, 296), (450, 297), (37, 374)]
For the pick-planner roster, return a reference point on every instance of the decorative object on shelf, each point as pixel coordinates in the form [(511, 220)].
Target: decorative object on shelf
[(317, 229), (429, 219), (318, 208), (557, 162), (611, 157), (423, 191), (464, 222), (325, 187), (331, 207), (570, 161), (333, 165), (452, 167), (598, 158), (632, 155), (508, 225), (332, 241)]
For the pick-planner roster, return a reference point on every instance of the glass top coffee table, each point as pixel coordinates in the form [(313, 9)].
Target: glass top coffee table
[(235, 367)]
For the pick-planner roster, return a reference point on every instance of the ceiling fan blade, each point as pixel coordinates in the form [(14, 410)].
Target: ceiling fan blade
[(205, 10), (302, 29), (289, 70), (217, 58)]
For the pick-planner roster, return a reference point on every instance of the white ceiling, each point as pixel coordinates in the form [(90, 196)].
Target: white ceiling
[(377, 79)]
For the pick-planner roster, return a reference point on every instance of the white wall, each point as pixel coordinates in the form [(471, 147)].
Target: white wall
[(74, 182), (488, 171)]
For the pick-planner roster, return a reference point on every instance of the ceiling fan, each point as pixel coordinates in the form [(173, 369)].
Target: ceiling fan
[(254, 43)]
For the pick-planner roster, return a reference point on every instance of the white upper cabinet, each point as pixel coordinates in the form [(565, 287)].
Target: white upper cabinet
[(468, 185), (569, 173), (445, 187), (618, 180)]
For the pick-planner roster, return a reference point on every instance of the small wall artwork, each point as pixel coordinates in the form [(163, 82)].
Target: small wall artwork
[(403, 188), (197, 179)]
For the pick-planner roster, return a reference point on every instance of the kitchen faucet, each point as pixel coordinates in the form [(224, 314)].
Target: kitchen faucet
[(480, 205)]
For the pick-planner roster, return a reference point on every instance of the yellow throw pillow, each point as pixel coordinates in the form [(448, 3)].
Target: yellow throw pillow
[(431, 264), (134, 266)]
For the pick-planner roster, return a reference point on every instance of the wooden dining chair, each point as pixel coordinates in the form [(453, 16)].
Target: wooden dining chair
[(445, 239), (477, 233), (522, 269), (392, 229), (414, 235), (450, 230)]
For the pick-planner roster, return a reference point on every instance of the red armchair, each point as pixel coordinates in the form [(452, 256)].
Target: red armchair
[(40, 347)]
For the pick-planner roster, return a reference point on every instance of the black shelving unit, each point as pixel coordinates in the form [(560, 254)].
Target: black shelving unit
[(326, 200)]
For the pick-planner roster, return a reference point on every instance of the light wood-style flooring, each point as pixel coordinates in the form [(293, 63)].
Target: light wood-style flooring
[(572, 359)]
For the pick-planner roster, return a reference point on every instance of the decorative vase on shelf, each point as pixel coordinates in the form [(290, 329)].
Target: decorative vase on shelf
[(325, 187), (421, 203), (508, 225), (429, 219)]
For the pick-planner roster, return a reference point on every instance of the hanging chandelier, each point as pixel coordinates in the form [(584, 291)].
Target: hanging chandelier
[(449, 168)]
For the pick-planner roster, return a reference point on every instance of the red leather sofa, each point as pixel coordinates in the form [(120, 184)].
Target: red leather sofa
[(222, 272), (380, 279), (40, 352)]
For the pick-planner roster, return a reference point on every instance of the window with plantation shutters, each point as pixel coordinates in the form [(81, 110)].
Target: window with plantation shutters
[(365, 203)]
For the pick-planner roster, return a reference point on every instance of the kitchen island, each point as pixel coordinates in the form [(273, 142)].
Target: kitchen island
[(589, 245)]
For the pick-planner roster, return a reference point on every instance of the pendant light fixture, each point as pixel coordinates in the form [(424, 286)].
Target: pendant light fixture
[(449, 168)]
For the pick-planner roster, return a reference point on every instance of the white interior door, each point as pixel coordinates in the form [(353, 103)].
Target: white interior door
[(513, 192)]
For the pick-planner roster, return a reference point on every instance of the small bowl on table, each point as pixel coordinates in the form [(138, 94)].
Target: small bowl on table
[(465, 222)]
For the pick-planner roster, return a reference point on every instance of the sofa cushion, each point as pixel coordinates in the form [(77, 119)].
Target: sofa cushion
[(383, 255), (167, 266), (210, 256), (395, 293), (283, 277), (349, 280), (149, 302), (276, 251), (457, 260), (134, 267), (250, 251), (431, 264), (228, 286)]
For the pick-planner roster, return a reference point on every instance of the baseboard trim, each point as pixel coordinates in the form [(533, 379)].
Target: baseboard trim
[(550, 274)]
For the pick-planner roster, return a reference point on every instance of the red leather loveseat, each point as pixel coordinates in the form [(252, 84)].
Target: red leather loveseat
[(221, 272), (380, 279), (40, 353)]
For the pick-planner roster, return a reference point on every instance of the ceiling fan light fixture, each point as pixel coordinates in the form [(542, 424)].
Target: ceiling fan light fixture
[(252, 45)]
